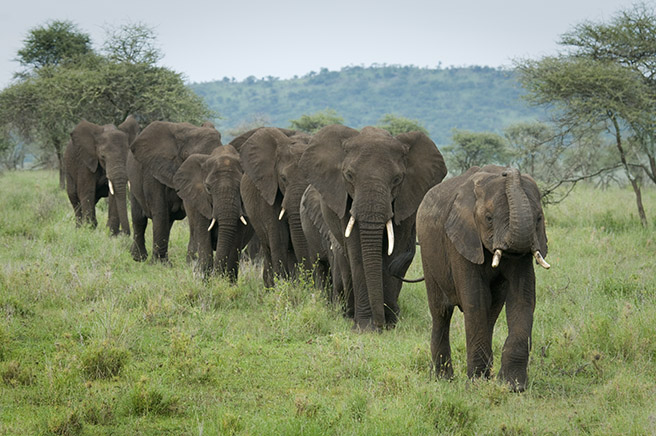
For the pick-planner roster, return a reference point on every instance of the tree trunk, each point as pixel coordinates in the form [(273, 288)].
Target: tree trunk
[(627, 170)]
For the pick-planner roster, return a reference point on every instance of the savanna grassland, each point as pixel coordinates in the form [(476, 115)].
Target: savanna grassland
[(93, 343)]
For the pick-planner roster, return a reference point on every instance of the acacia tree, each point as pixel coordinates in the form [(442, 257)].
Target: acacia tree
[(468, 149), (606, 78), (397, 125), (313, 123)]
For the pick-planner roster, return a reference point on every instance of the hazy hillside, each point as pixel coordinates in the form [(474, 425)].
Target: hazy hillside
[(473, 98)]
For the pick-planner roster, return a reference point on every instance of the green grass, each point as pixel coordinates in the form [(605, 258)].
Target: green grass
[(92, 343)]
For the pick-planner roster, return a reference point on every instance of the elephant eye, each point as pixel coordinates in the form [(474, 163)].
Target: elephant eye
[(488, 218), (207, 187), (348, 175), (397, 180)]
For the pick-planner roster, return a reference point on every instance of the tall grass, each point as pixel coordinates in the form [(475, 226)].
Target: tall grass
[(93, 343)]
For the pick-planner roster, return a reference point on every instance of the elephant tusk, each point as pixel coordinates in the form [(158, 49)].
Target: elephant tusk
[(497, 258), (243, 220), (390, 237), (349, 227), (282, 214), (111, 187), (211, 224), (540, 260), (129, 185)]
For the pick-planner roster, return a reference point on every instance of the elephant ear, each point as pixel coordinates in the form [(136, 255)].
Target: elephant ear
[(156, 149), (189, 184), (322, 164), (85, 137), (425, 169), (461, 226), (130, 127), (258, 159)]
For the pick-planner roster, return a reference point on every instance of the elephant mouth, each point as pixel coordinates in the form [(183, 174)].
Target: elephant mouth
[(389, 227), (499, 253)]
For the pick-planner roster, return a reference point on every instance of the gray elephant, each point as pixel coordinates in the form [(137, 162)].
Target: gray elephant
[(329, 262), (479, 233), (209, 188), (156, 155), (95, 165), (271, 189), (371, 184)]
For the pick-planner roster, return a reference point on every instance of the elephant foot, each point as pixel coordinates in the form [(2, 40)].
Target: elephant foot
[(516, 382), (138, 255), (444, 371), (365, 325)]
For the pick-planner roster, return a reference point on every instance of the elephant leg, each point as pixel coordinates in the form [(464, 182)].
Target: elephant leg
[(113, 221), (520, 306), (75, 202), (267, 267), (476, 302), (162, 223), (139, 224), (440, 343), (87, 195)]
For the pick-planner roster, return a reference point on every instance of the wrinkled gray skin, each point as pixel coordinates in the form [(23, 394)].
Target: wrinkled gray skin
[(330, 265), (209, 188), (375, 178), (156, 155), (272, 182), (95, 155), (460, 225)]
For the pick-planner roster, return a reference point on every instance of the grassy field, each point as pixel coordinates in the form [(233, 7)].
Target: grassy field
[(93, 343)]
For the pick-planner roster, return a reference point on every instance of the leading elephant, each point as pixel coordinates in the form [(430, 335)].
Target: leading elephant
[(479, 233), (371, 184), (209, 188), (271, 189), (156, 155), (95, 165)]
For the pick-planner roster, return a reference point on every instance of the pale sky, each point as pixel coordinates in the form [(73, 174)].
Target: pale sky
[(209, 40)]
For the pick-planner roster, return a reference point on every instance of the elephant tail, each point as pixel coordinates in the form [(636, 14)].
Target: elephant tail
[(398, 267)]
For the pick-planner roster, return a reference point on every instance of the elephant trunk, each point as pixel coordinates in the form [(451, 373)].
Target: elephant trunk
[(521, 224), (371, 239), (292, 205), (118, 180), (227, 212)]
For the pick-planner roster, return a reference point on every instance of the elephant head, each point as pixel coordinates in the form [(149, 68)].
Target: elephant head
[(210, 185), (270, 159), (107, 147), (377, 181), (163, 146), (497, 209)]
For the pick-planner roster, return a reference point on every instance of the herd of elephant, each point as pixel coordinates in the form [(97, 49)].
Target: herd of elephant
[(348, 205)]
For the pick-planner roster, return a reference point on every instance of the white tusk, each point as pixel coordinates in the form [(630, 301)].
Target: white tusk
[(331, 247), (243, 220), (349, 227), (390, 237), (111, 187), (282, 214), (128, 184), (211, 224), (497, 258), (540, 260)]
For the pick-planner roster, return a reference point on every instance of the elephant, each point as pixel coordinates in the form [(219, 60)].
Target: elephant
[(371, 184), (209, 188), (330, 265), (478, 234), (156, 155), (271, 190), (95, 164)]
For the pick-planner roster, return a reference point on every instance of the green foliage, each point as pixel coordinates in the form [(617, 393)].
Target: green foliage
[(132, 43), (103, 360), (397, 125), (313, 123), (475, 148), (52, 44), (215, 358), (473, 98)]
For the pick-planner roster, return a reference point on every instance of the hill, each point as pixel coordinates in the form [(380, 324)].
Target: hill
[(472, 98)]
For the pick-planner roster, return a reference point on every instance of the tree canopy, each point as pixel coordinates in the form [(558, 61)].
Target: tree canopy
[(313, 123), (606, 78), (475, 148), (397, 124), (45, 105)]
